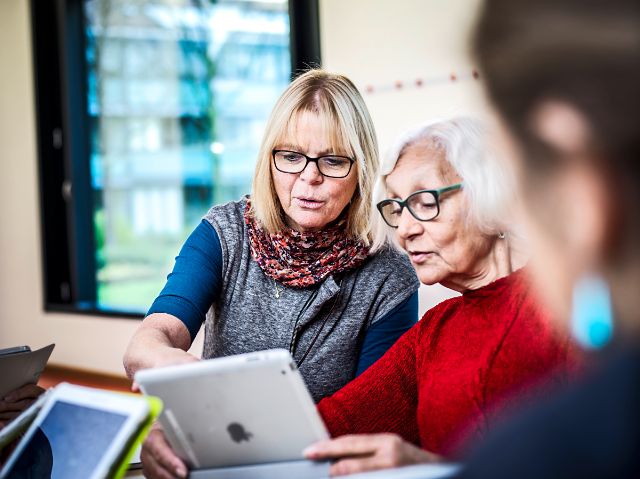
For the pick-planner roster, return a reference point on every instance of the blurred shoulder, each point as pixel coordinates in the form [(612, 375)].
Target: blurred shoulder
[(588, 431)]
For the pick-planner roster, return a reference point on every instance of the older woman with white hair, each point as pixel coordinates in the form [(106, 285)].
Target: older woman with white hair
[(443, 383)]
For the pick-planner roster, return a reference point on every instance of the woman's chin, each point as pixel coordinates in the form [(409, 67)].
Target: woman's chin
[(428, 276), (308, 221), (308, 225)]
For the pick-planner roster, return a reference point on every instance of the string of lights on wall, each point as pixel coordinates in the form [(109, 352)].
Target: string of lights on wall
[(421, 82)]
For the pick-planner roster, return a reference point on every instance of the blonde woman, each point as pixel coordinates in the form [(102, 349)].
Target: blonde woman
[(290, 266)]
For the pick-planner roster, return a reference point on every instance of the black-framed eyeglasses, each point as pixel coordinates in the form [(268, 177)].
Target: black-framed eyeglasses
[(424, 205), (333, 166)]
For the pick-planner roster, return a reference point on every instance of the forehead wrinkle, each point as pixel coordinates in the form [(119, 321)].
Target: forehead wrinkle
[(447, 172), (330, 130), (435, 153), (423, 153)]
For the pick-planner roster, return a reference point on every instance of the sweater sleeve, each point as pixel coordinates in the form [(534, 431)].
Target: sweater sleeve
[(382, 399), (382, 334), (196, 279)]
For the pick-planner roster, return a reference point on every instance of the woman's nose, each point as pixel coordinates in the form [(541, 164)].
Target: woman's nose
[(311, 173), (408, 226)]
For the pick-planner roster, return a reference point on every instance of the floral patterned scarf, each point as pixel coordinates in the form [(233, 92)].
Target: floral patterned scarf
[(298, 259)]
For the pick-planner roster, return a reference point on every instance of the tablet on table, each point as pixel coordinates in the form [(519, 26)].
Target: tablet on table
[(79, 433), (240, 410)]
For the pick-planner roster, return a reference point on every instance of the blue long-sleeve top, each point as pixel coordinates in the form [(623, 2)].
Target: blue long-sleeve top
[(196, 281)]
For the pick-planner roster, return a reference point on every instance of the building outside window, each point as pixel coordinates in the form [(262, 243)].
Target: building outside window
[(178, 93)]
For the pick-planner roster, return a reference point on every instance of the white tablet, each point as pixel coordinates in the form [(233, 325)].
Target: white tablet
[(248, 409), (21, 366), (79, 433)]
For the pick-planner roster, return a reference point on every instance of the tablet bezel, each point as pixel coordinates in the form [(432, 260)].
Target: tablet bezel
[(135, 409)]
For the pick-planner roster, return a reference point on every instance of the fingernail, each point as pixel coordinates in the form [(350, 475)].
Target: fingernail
[(309, 451), (181, 471)]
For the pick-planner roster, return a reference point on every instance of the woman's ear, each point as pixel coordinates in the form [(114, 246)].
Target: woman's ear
[(580, 183)]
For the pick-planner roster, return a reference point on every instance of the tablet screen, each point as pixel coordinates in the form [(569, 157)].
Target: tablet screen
[(69, 443)]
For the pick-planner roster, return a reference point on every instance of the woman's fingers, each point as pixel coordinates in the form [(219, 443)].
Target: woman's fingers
[(153, 470), (9, 416), (350, 445), (368, 452), (348, 466), (28, 391), (17, 401), (15, 407), (152, 467), (158, 459)]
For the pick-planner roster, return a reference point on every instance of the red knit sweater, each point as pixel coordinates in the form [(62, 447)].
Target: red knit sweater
[(444, 381)]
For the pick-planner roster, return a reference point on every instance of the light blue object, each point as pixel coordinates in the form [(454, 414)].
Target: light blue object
[(592, 315)]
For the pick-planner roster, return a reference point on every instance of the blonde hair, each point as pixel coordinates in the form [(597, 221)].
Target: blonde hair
[(339, 105)]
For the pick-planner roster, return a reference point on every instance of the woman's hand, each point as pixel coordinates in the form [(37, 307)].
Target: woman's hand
[(17, 401), (169, 357), (158, 459), (161, 340), (368, 452), (172, 356)]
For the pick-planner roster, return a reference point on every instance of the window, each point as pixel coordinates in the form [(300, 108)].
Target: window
[(149, 112)]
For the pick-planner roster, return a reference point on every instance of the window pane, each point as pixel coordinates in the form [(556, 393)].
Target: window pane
[(179, 92)]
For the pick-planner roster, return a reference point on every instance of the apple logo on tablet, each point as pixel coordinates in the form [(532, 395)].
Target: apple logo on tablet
[(238, 432)]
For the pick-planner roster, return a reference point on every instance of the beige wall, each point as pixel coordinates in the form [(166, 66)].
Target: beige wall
[(372, 41), (380, 42)]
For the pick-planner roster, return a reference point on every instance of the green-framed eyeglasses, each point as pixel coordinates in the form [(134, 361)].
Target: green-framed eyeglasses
[(424, 205)]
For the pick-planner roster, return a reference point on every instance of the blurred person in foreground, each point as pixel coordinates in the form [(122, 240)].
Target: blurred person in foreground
[(564, 77), (447, 381)]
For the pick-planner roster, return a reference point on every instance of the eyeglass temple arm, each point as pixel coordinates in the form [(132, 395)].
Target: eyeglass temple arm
[(449, 188)]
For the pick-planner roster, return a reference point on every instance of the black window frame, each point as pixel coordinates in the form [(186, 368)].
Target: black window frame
[(63, 140)]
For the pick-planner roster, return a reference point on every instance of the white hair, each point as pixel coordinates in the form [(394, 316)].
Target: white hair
[(487, 182)]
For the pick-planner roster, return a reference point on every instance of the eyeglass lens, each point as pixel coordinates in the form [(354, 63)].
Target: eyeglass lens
[(423, 206), (292, 162)]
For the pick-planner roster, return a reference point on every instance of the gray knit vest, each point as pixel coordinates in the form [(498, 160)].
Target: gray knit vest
[(323, 325)]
